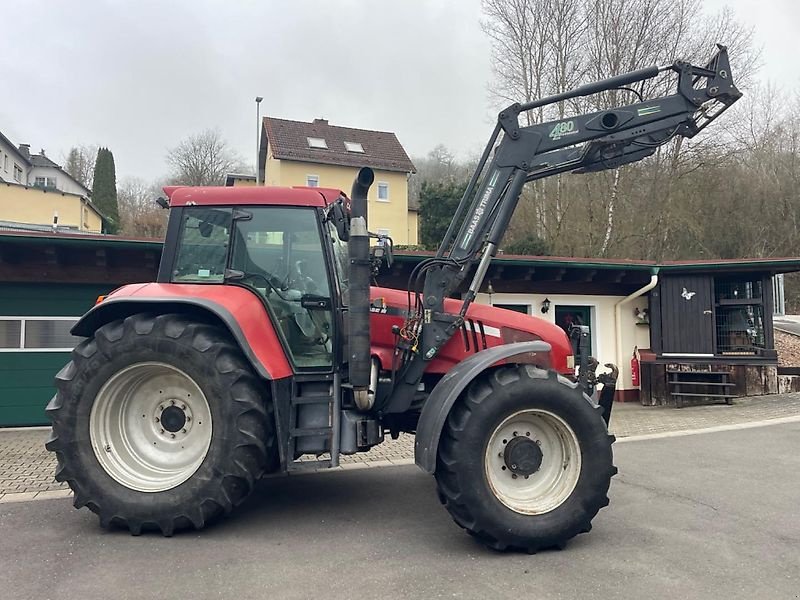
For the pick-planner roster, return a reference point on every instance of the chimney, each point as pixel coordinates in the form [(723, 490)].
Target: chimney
[(25, 150), (320, 121), (42, 152)]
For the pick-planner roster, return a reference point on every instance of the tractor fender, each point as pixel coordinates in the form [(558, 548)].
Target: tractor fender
[(248, 324), (447, 391)]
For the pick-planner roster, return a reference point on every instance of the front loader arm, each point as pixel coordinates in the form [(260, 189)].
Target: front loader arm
[(594, 141)]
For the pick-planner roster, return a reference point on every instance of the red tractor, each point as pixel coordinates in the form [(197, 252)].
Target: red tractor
[(262, 343)]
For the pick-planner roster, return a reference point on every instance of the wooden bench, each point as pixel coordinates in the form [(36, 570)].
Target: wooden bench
[(700, 384)]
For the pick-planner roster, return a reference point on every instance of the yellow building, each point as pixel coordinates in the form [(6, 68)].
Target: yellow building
[(22, 207), (317, 154), (36, 193)]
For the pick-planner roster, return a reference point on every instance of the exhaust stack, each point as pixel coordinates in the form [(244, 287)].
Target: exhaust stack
[(358, 310)]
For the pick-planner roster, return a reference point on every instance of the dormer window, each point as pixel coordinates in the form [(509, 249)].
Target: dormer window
[(318, 143), (354, 147)]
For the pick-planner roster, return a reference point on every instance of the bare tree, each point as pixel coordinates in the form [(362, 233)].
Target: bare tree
[(203, 159), (549, 46), (439, 166), (79, 162), (139, 214)]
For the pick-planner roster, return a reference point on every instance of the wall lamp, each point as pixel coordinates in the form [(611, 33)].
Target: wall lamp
[(545, 306)]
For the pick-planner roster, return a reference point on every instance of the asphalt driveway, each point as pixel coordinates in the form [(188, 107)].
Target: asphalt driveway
[(715, 515)]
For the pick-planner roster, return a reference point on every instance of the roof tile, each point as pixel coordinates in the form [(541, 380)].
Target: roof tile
[(382, 149)]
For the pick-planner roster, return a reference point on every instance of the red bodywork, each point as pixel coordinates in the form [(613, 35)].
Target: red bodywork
[(251, 195), (485, 327), (240, 303)]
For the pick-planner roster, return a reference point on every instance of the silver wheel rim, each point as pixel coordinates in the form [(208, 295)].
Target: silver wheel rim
[(150, 427), (553, 482)]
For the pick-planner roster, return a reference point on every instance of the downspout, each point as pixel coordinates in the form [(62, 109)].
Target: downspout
[(618, 312)]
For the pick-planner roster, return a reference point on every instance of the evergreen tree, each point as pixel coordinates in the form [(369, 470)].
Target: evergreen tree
[(530, 244), (437, 205), (104, 189)]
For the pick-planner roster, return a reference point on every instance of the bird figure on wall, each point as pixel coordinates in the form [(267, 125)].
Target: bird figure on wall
[(687, 295)]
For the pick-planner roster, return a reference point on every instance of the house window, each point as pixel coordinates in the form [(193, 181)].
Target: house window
[(740, 320), (383, 192), (312, 180), (5, 163), (318, 143), (17, 173), (45, 182), (525, 309), (354, 147)]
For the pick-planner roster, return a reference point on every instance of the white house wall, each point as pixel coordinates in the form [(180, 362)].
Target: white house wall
[(12, 153), (604, 345), (64, 182)]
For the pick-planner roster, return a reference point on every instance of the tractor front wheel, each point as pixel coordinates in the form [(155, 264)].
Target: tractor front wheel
[(525, 460), (159, 423)]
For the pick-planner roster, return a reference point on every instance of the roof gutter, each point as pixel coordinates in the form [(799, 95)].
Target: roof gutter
[(618, 313)]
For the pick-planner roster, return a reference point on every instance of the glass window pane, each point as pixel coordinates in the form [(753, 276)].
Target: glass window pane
[(740, 329), (47, 334), (319, 143), (9, 334), (279, 251), (203, 247), (383, 191)]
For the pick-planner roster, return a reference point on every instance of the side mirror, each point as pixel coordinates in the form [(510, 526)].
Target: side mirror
[(341, 220), (382, 254)]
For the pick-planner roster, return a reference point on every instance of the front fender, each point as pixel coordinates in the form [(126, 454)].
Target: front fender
[(234, 308), (447, 391)]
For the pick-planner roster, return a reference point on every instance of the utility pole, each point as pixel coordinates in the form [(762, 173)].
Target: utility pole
[(258, 136)]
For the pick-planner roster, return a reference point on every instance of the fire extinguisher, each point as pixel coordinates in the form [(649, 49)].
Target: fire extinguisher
[(635, 368)]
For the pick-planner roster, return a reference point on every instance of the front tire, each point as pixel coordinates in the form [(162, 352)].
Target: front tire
[(525, 460), (158, 422)]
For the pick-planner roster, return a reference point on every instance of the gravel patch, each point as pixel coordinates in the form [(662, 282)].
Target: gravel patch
[(788, 347)]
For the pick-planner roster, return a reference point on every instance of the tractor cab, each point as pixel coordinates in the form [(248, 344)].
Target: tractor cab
[(290, 253)]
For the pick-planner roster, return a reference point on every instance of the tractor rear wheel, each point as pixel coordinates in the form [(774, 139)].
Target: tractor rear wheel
[(158, 422), (525, 460)]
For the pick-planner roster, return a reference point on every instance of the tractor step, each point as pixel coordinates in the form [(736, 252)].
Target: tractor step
[(314, 409)]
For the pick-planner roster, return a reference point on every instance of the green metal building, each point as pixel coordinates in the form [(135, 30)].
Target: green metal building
[(47, 281)]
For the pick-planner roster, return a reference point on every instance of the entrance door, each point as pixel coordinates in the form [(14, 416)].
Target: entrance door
[(567, 316), (687, 317)]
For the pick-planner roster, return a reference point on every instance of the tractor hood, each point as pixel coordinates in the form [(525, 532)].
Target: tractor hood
[(484, 327)]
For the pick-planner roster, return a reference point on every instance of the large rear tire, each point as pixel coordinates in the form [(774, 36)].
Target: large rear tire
[(158, 422), (525, 460)]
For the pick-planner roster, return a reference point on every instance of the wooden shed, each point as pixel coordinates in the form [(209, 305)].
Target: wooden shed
[(711, 331)]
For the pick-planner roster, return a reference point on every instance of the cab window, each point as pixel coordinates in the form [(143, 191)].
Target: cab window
[(203, 245), (278, 252)]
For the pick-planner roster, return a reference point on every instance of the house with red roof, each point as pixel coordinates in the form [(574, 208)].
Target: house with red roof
[(319, 154)]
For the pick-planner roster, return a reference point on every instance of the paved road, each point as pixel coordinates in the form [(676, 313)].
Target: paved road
[(790, 324), (714, 515), (27, 468)]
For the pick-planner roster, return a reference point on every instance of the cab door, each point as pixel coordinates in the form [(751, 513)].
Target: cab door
[(278, 251)]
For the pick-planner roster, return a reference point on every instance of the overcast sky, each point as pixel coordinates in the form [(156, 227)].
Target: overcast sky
[(139, 76)]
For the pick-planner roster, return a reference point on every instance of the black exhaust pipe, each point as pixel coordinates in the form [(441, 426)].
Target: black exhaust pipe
[(358, 309)]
